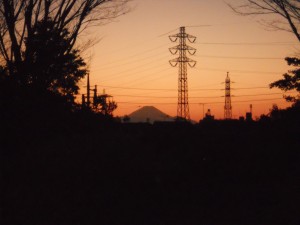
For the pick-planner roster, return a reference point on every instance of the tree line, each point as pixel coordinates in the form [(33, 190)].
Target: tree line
[(39, 50)]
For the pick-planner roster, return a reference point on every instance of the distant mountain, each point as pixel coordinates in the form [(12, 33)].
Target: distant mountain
[(149, 114)]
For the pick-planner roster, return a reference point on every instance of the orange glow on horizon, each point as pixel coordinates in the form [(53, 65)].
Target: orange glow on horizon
[(131, 62)]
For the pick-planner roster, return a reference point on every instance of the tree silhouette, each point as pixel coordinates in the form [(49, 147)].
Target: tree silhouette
[(23, 22), (126, 119), (104, 105), (290, 81), (49, 65), (287, 13)]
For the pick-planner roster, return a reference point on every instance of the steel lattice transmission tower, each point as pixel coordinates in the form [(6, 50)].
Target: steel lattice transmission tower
[(183, 61), (227, 107)]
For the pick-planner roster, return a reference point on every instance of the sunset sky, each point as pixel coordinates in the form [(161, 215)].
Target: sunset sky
[(131, 61)]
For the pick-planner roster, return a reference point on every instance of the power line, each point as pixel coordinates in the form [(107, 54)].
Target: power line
[(239, 57), (235, 96), (141, 96), (136, 71), (167, 33), (194, 103), (164, 89), (205, 25), (249, 43), (130, 61), (240, 71), (141, 80), (259, 100), (256, 95), (136, 54), (133, 45), (249, 88), (143, 89), (171, 31)]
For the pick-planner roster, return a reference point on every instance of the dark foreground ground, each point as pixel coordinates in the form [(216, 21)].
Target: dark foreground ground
[(64, 173)]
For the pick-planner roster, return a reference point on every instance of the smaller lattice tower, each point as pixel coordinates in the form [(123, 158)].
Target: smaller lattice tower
[(227, 107)]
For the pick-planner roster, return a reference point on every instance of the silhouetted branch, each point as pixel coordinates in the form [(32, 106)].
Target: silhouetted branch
[(19, 19), (287, 10)]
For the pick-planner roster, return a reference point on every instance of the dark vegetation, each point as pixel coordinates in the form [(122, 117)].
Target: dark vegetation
[(72, 167), (290, 81)]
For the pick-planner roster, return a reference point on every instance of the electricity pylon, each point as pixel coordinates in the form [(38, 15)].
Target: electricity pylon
[(183, 61), (227, 107)]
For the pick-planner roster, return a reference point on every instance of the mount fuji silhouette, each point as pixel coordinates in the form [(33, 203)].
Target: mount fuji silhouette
[(149, 114)]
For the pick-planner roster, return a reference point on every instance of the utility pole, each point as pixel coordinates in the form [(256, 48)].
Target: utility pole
[(202, 109), (95, 96), (183, 61), (88, 102), (227, 107)]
